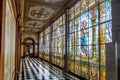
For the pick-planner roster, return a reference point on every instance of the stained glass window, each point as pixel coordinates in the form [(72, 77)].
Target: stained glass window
[(41, 44), (58, 41), (90, 25), (89, 30), (47, 43)]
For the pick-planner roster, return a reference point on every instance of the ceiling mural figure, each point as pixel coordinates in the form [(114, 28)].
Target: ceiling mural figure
[(54, 0), (35, 24), (40, 12)]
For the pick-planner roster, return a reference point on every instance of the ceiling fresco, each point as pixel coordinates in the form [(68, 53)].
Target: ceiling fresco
[(35, 24), (30, 30), (38, 12)]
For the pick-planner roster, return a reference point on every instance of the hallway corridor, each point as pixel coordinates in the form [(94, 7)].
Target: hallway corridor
[(59, 39), (34, 69)]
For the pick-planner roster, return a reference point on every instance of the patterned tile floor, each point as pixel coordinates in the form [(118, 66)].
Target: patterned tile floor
[(34, 69)]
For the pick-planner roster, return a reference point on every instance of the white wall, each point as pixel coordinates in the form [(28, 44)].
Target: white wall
[(10, 31)]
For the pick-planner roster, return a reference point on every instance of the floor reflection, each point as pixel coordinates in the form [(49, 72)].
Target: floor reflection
[(34, 69)]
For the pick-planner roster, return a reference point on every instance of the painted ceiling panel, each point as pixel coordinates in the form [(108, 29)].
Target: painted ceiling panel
[(35, 24), (30, 30), (38, 12)]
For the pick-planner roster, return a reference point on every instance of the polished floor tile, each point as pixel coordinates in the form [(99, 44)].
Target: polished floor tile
[(34, 69)]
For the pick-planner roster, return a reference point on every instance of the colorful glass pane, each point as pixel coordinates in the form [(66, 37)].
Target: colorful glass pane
[(77, 25), (94, 71), (105, 11), (84, 37), (93, 3), (70, 27), (108, 10), (77, 38), (84, 5), (85, 21), (85, 69), (93, 16), (71, 13), (77, 8)]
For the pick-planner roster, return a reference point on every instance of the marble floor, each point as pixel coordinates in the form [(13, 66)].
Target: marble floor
[(34, 69)]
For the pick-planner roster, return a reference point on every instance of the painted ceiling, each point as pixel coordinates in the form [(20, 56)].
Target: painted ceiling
[(37, 13)]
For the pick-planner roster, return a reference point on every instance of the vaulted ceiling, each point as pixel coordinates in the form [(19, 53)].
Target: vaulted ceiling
[(37, 13)]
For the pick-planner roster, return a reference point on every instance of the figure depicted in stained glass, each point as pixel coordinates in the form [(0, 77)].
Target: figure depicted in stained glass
[(84, 38), (94, 72)]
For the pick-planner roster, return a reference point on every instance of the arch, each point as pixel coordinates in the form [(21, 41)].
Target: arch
[(28, 38), (26, 43)]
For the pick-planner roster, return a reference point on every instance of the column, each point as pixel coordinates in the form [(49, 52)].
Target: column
[(66, 64)]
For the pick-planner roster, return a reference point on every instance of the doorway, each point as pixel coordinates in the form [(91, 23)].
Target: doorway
[(29, 47)]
